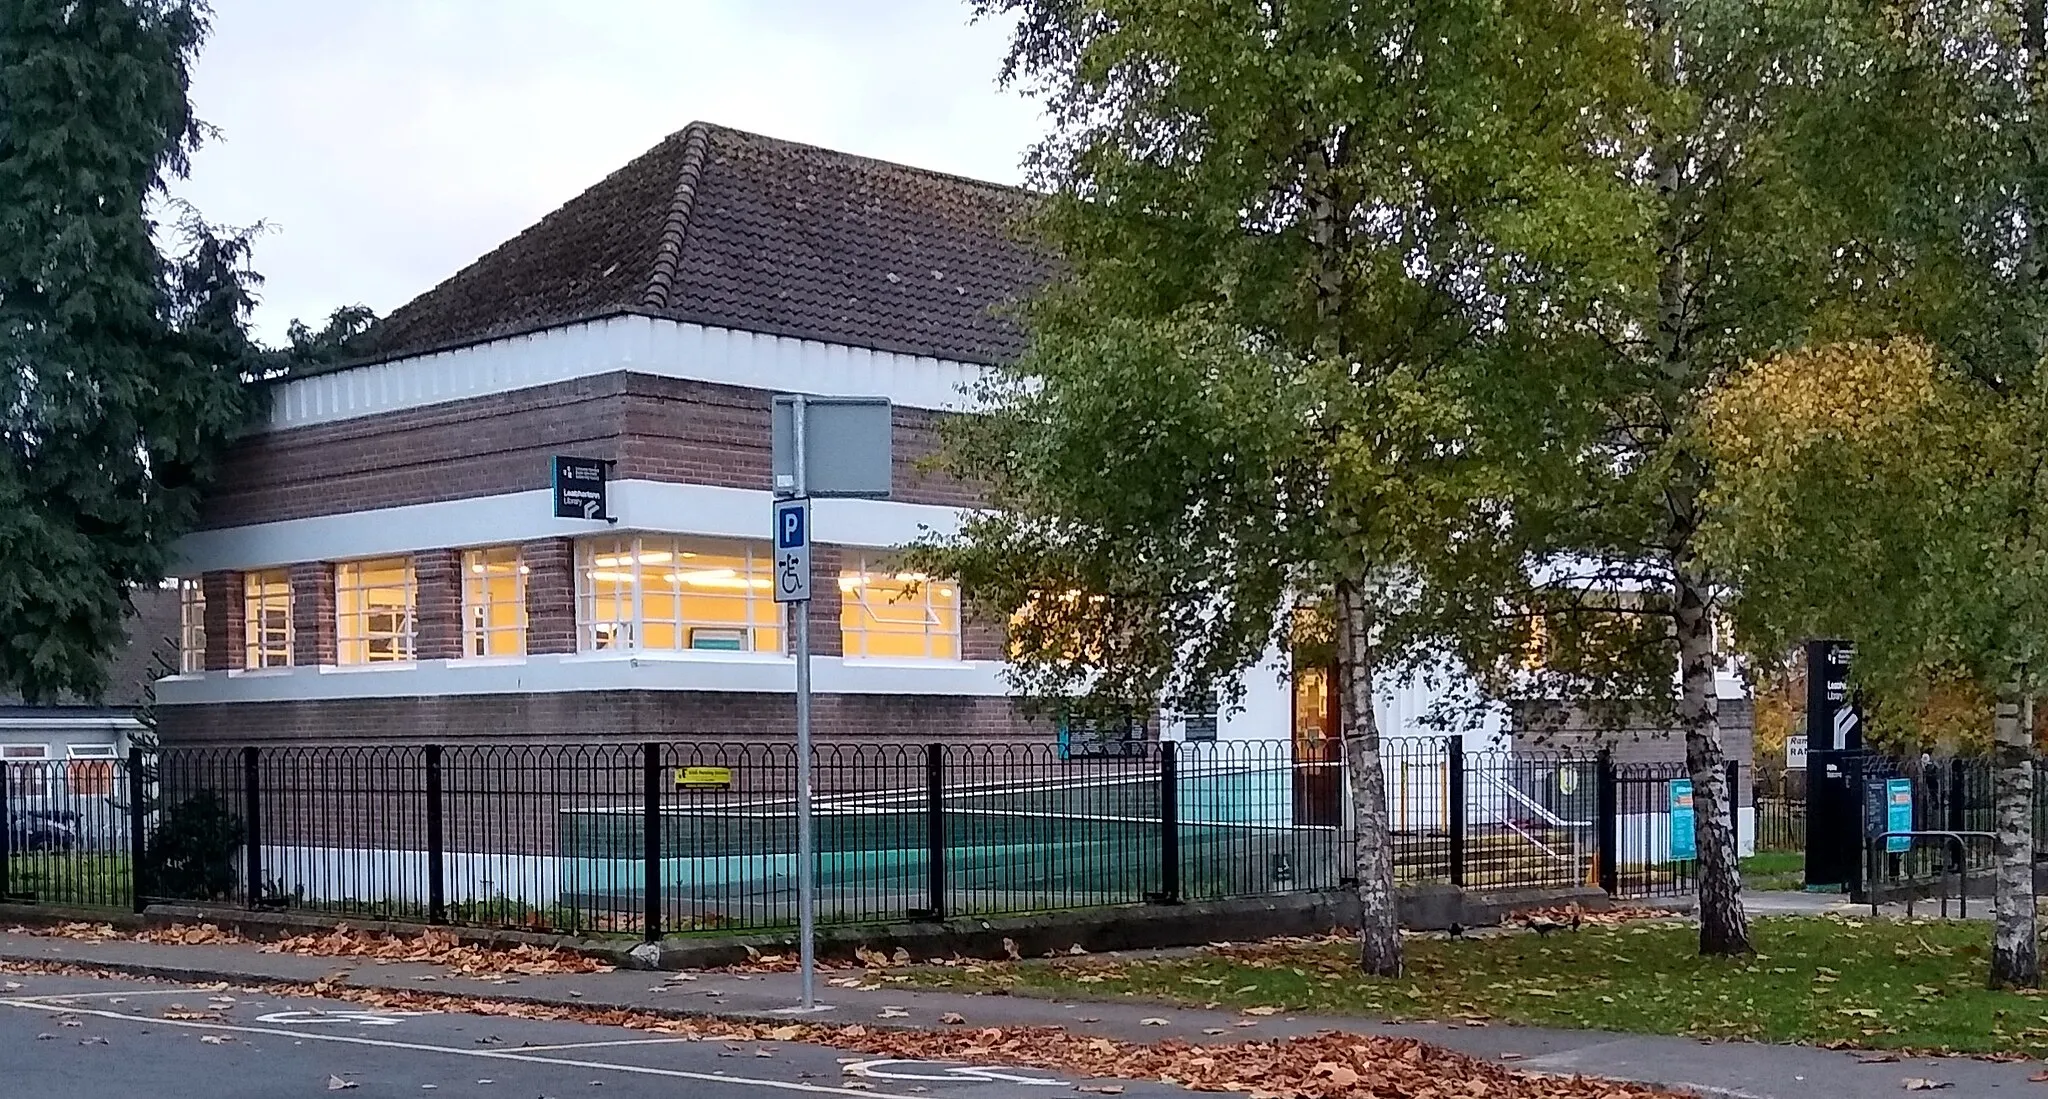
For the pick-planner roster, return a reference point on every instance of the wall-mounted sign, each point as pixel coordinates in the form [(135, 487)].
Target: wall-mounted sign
[(1795, 752), (704, 778), (579, 488), (1095, 738), (1683, 843)]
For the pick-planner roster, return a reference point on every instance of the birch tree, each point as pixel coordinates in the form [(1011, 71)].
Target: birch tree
[(1888, 490), (1292, 238), (1729, 249)]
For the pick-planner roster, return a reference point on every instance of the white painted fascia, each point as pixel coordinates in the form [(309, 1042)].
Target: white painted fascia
[(635, 344), (655, 507), (746, 673)]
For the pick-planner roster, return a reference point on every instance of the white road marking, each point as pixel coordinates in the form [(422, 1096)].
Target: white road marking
[(358, 1018), (948, 1073), (57, 997), (621, 1042), (480, 1054)]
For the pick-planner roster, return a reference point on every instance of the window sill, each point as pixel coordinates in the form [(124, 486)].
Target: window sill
[(677, 656), (261, 673), (486, 661), (374, 666), (910, 662)]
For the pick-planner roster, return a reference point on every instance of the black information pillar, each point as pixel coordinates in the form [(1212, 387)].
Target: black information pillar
[(1834, 771)]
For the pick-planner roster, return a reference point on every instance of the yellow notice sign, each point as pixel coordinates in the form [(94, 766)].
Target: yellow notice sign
[(704, 778)]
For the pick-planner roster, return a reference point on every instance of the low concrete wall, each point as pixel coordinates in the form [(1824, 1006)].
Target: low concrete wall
[(1129, 927)]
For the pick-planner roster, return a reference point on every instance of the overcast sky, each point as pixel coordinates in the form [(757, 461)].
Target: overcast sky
[(389, 142)]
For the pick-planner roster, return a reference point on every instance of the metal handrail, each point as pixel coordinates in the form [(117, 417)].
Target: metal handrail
[(1958, 838)]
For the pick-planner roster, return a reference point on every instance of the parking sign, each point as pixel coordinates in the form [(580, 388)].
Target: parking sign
[(792, 550)]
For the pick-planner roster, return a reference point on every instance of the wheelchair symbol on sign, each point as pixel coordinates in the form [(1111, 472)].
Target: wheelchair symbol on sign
[(789, 574)]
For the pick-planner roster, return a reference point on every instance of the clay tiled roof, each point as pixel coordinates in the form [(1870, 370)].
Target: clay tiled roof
[(721, 227)]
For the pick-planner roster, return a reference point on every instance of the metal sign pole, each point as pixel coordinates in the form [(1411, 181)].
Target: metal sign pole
[(806, 859)]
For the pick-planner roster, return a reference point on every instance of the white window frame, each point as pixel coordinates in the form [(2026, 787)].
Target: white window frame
[(621, 623), (853, 635), (92, 751), (404, 639), (11, 753), (477, 632), (257, 653), (191, 627)]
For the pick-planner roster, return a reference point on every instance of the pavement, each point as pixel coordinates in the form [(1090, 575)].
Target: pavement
[(1735, 1070)]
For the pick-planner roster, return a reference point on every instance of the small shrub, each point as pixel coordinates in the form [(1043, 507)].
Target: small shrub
[(193, 850)]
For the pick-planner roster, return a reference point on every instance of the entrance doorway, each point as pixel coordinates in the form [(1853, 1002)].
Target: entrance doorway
[(1318, 748)]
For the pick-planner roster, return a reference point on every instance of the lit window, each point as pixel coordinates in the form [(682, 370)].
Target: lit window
[(91, 770), (493, 602), (373, 602), (26, 776), (267, 618), (191, 626), (897, 614), (668, 594)]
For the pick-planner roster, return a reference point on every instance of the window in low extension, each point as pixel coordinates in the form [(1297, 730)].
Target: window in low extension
[(655, 594), (902, 615), (91, 770), (493, 602), (373, 602), (191, 627), (267, 618)]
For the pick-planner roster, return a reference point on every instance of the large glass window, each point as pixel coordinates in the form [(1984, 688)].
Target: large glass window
[(884, 613), (267, 618), (493, 602), (669, 594), (191, 627), (373, 602)]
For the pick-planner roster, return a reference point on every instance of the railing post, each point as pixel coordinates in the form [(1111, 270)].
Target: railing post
[(437, 883), (1169, 822), (1454, 748), (1734, 768), (252, 829), (935, 829), (1607, 816), (138, 843), (650, 777), (6, 837)]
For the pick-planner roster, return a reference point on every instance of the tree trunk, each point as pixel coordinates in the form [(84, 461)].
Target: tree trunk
[(2015, 958), (1724, 927), (1379, 924)]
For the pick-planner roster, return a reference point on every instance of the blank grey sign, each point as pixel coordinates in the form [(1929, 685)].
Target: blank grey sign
[(848, 446)]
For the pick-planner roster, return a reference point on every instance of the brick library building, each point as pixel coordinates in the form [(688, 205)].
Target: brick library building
[(381, 559)]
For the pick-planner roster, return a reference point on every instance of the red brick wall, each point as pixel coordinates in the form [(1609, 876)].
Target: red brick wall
[(603, 716), (226, 639), (550, 595), (826, 639), (656, 428), (437, 576), (312, 612)]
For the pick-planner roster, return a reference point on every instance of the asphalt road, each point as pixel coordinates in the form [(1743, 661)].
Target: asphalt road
[(82, 1038)]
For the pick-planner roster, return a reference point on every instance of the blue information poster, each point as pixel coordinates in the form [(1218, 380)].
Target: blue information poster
[(1898, 814), (1682, 845)]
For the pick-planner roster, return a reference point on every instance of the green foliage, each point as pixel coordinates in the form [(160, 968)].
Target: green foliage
[(193, 849), (1291, 239), (126, 365)]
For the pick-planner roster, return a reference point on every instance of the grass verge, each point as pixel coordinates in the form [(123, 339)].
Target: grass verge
[(1776, 870), (1914, 984)]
